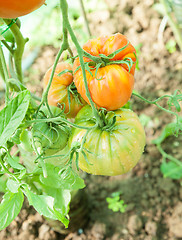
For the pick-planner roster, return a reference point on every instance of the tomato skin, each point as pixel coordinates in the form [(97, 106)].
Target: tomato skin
[(17, 8), (112, 87), (114, 152), (58, 93)]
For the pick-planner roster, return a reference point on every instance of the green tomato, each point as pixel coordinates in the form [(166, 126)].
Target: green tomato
[(49, 137), (109, 152)]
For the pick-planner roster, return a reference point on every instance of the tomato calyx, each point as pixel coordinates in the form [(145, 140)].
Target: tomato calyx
[(102, 60)]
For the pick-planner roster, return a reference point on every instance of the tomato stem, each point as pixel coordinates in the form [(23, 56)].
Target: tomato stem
[(174, 26), (18, 51), (67, 25), (4, 73), (85, 18), (155, 102)]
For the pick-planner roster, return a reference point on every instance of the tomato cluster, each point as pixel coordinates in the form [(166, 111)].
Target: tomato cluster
[(115, 146)]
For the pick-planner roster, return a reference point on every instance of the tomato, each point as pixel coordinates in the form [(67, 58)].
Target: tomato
[(109, 151), (58, 92), (49, 137), (17, 8), (111, 86)]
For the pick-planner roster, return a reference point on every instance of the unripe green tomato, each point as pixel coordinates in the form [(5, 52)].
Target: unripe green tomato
[(113, 151), (49, 137)]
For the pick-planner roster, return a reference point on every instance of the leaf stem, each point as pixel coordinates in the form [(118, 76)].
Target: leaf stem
[(174, 26), (155, 102), (4, 73), (85, 18), (166, 155)]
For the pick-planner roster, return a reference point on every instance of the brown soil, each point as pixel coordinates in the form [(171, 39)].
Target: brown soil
[(154, 210)]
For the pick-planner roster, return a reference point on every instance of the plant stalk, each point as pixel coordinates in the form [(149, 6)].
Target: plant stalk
[(67, 25), (4, 73), (18, 51), (173, 25)]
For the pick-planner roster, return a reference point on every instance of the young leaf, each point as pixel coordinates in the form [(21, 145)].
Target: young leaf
[(171, 169), (12, 185), (42, 204), (10, 207), (12, 115), (62, 200), (14, 164)]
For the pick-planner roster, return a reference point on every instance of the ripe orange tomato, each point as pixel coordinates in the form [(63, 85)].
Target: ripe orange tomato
[(17, 8), (58, 93), (111, 86)]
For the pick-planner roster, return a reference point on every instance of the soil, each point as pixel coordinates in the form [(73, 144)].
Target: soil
[(154, 203)]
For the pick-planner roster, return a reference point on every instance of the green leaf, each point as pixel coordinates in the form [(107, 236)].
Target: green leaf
[(62, 200), (71, 180), (62, 178), (12, 115), (12, 185), (14, 163), (52, 179), (44, 205), (171, 169), (10, 207), (3, 180)]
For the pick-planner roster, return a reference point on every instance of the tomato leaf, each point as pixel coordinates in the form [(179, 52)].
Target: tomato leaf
[(64, 179), (42, 204), (12, 185), (171, 169), (12, 115), (10, 207), (46, 205), (14, 163)]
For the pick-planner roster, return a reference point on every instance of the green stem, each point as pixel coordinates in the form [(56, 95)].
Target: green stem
[(64, 47), (165, 155), (173, 25), (155, 103), (6, 170), (85, 18), (55, 120), (64, 9), (4, 73), (18, 51), (10, 49)]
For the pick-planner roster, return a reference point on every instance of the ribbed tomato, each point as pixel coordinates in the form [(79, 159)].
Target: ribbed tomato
[(111, 151), (111, 86), (17, 8), (58, 93)]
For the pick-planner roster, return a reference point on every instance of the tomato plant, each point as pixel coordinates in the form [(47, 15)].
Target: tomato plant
[(116, 149), (105, 139), (14, 9), (61, 89), (112, 83)]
